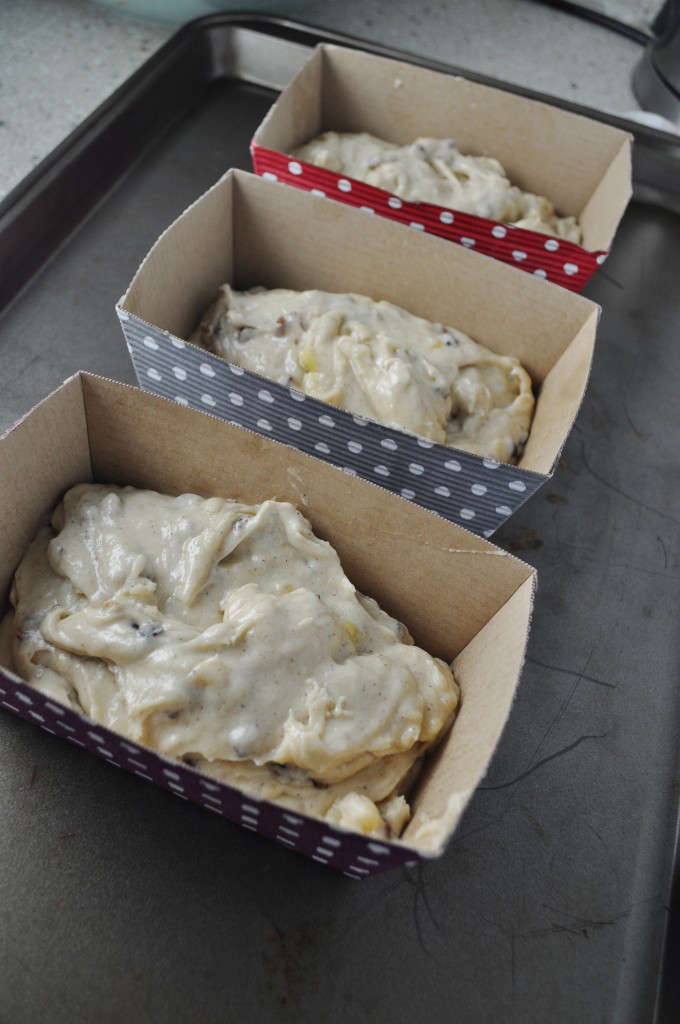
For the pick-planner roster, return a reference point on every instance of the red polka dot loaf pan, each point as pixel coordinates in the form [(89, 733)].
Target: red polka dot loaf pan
[(95, 430), (581, 166), (249, 232)]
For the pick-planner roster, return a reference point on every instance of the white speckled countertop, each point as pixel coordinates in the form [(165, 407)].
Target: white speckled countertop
[(60, 58)]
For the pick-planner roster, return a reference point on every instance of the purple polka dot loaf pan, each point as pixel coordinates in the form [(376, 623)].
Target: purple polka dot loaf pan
[(95, 430), (581, 166), (248, 232)]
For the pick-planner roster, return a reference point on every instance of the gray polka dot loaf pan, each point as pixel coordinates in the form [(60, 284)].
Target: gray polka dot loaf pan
[(568, 162), (249, 232), (92, 429)]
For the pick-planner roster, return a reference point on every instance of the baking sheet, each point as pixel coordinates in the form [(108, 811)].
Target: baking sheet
[(118, 901)]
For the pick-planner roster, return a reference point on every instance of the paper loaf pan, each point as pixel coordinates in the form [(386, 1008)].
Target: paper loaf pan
[(582, 166), (91, 429), (247, 231)]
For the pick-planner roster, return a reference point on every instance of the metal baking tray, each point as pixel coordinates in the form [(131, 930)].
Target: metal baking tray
[(119, 902)]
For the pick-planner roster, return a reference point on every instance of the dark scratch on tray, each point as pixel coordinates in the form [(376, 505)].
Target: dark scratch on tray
[(417, 881), (546, 760), (533, 767), (572, 672), (551, 757), (460, 838), (580, 932), (604, 922), (622, 493), (567, 700), (512, 935), (641, 434), (611, 867), (372, 902), (650, 572), (581, 924), (611, 280)]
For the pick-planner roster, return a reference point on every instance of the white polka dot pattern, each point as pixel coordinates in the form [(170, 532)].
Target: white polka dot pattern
[(462, 488), (556, 260), (354, 854)]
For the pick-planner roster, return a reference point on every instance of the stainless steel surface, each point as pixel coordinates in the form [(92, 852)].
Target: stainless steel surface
[(653, 91), (121, 903), (656, 80), (667, 43)]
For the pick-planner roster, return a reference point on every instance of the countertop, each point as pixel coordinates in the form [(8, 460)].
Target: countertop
[(60, 58)]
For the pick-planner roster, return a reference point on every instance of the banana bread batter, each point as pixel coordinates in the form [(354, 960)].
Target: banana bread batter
[(227, 636), (376, 360), (435, 171)]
